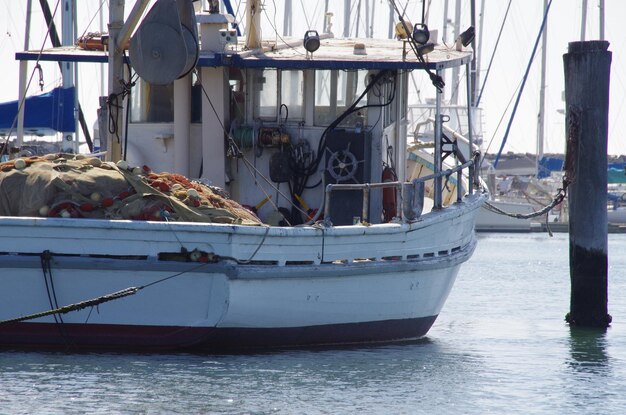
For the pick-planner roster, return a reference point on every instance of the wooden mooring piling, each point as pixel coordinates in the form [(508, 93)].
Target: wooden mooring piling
[(587, 74)]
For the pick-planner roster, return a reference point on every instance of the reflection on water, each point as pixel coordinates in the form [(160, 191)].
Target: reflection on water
[(588, 350), (348, 380)]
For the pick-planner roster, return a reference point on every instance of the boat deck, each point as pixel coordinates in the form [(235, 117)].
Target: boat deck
[(288, 53)]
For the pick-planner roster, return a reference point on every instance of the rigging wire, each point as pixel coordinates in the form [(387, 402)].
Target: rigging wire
[(493, 54), (93, 18), (23, 98), (306, 18), (273, 24), (519, 95), (235, 151), (493, 136), (436, 79)]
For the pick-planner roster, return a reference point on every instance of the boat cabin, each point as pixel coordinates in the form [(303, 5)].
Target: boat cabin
[(274, 122)]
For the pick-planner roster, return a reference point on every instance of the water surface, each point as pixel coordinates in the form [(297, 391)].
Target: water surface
[(500, 346)]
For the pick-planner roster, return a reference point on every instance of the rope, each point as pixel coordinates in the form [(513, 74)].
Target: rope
[(45, 258), (244, 137), (247, 261), (98, 300), (560, 196), (77, 306), (573, 135), (561, 193), (55, 309)]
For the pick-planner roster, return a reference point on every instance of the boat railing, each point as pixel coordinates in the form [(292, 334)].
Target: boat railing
[(409, 195)]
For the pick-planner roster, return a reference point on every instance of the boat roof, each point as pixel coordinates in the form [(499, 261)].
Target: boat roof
[(341, 54)]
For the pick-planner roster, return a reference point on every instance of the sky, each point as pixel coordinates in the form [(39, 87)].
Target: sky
[(509, 61)]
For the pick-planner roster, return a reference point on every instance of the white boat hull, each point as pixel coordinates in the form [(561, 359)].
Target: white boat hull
[(233, 307), (303, 286), (489, 221)]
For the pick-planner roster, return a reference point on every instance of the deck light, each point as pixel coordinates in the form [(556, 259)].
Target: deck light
[(311, 41), (420, 33)]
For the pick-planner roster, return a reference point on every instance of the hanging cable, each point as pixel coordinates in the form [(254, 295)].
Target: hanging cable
[(127, 87), (434, 78), (233, 150)]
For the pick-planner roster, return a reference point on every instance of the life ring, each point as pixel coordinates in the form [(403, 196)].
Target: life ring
[(390, 208)]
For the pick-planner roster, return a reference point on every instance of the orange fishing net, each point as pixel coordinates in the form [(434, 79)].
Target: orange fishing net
[(69, 186)]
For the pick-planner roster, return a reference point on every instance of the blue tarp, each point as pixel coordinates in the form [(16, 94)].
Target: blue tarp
[(616, 175), (53, 110), (548, 165), (616, 172)]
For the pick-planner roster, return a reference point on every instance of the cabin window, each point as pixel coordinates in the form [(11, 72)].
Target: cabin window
[(292, 94), (152, 103), (236, 80), (389, 90), (155, 103), (269, 97), (266, 94), (335, 92)]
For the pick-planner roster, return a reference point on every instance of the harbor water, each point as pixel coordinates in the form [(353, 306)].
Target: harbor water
[(499, 346)]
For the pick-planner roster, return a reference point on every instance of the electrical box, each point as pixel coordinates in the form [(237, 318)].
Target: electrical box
[(348, 160), (228, 37)]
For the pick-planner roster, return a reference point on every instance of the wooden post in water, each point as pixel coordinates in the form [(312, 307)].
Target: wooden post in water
[(587, 72)]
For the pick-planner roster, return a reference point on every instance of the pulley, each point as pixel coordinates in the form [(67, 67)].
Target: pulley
[(165, 46)]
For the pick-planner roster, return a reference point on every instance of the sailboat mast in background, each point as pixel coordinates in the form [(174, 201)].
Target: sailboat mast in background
[(542, 95)]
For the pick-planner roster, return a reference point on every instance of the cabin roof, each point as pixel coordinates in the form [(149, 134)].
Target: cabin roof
[(290, 54)]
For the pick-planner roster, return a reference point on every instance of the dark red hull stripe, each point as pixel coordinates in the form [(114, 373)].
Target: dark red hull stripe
[(164, 338)]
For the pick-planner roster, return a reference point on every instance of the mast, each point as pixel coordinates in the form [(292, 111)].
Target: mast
[(358, 19), (601, 7), (583, 22), (326, 18), (116, 74), (391, 23), (372, 14), (368, 27), (287, 27), (454, 97), (444, 35), (119, 35), (253, 24), (23, 74), (542, 94), (476, 57), (346, 18), (29, 10), (102, 65), (69, 143)]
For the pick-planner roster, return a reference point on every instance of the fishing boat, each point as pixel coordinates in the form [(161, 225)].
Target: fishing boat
[(336, 246)]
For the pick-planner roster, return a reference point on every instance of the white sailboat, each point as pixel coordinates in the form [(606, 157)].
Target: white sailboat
[(201, 273)]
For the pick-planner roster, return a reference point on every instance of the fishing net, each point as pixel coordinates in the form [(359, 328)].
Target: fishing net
[(68, 186)]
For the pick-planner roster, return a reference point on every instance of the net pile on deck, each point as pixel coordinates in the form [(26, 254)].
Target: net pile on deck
[(68, 186)]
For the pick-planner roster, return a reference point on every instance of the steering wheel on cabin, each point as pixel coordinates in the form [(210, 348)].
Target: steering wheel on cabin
[(342, 165)]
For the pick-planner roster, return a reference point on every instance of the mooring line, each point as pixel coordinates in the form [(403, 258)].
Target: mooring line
[(98, 300)]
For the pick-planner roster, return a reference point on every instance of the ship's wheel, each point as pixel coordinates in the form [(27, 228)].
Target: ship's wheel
[(342, 165)]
